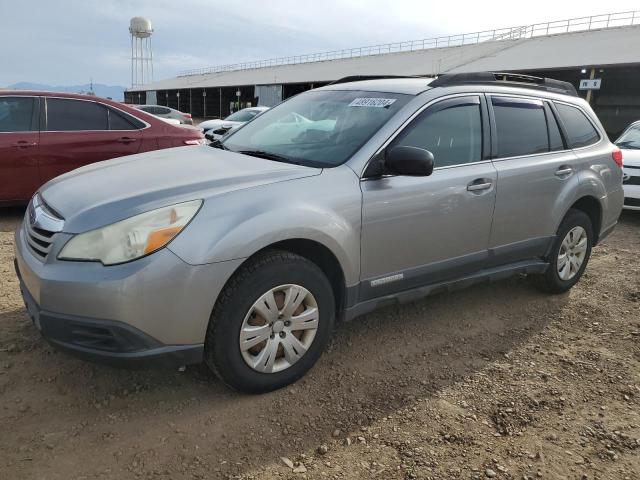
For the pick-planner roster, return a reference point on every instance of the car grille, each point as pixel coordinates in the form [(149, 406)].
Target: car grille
[(632, 202), (41, 227), (39, 240)]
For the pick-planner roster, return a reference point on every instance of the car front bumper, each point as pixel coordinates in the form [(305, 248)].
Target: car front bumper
[(153, 311)]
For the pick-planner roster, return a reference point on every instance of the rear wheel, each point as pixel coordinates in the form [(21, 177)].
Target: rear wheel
[(270, 323), (570, 253)]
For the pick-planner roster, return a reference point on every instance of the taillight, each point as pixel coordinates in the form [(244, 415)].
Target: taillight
[(187, 115), (194, 142), (617, 157)]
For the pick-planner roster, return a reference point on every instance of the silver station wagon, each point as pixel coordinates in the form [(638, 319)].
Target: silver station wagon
[(366, 192)]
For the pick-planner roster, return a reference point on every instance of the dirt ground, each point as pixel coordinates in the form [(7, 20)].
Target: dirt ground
[(497, 381)]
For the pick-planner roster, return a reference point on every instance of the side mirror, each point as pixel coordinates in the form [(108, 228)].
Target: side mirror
[(412, 161)]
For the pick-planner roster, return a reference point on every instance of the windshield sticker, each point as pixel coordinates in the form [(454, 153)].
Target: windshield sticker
[(372, 102)]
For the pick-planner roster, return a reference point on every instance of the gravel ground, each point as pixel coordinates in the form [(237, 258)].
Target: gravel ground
[(497, 381)]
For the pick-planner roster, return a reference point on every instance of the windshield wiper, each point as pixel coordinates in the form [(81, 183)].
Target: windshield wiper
[(218, 144), (268, 156)]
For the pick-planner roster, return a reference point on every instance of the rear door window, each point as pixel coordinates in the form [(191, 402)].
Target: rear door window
[(521, 126), (16, 114), (65, 115), (580, 130)]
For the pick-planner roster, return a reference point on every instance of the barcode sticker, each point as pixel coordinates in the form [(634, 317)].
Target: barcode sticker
[(372, 102)]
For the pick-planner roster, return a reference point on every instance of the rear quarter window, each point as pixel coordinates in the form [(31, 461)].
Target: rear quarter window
[(580, 130), (122, 121)]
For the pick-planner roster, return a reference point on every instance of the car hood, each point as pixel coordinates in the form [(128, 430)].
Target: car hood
[(631, 157), (210, 124), (106, 192)]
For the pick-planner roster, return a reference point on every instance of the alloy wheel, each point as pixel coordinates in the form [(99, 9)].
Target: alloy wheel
[(572, 253)]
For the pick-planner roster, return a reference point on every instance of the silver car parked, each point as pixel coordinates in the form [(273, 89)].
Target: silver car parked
[(337, 201), (167, 113)]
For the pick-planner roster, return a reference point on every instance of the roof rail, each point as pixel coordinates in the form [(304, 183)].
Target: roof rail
[(359, 78), (505, 79)]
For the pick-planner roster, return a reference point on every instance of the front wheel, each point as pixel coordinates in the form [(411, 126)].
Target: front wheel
[(570, 253), (270, 323)]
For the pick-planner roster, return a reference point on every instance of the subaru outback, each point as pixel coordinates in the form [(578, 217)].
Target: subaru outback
[(359, 194)]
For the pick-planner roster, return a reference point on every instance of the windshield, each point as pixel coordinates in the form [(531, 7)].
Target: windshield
[(242, 116), (318, 128), (630, 138)]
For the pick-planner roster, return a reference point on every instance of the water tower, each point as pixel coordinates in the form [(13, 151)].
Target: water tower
[(141, 54)]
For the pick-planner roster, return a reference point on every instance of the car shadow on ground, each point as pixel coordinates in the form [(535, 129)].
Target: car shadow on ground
[(372, 367)]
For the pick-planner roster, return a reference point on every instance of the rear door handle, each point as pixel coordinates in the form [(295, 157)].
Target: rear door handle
[(479, 185), (126, 140), (564, 171), (24, 144)]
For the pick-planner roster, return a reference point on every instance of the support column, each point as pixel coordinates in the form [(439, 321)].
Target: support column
[(592, 75)]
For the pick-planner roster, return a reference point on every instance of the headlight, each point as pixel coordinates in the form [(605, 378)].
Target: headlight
[(132, 238)]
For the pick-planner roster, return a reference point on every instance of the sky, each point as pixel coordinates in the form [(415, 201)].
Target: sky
[(64, 42)]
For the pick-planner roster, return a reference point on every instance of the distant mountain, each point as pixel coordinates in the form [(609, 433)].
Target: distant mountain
[(106, 91)]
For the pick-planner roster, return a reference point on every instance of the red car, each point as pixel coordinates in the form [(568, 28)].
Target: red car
[(44, 134)]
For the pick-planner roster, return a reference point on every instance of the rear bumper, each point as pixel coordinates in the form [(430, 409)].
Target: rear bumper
[(105, 341)]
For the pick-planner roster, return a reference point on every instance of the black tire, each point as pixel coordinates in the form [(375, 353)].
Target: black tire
[(268, 270), (551, 281)]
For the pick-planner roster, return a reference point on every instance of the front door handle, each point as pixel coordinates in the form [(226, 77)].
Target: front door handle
[(479, 185), (24, 144), (564, 171), (126, 140)]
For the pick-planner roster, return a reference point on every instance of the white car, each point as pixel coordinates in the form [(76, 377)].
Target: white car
[(629, 143), (218, 128)]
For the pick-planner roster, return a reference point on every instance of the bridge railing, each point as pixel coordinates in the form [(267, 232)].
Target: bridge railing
[(594, 22)]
